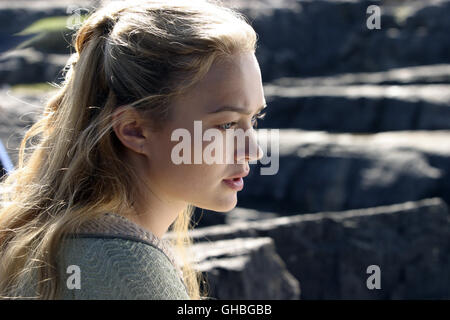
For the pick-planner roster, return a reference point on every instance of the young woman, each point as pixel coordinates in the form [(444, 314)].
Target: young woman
[(84, 214)]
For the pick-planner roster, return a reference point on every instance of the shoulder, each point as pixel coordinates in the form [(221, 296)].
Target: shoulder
[(117, 268)]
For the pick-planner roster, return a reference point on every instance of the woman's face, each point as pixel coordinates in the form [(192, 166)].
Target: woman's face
[(236, 83)]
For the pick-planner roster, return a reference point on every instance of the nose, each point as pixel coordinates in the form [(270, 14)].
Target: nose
[(253, 151)]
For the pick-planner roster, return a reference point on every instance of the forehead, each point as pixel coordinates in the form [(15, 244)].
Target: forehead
[(235, 81)]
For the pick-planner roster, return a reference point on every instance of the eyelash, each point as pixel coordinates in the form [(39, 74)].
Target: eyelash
[(259, 116)]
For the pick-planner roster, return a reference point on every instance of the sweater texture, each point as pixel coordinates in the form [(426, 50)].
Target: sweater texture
[(111, 257)]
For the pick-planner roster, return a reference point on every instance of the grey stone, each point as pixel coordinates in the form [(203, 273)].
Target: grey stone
[(319, 171), (331, 37), (430, 74), (307, 38), (205, 218), (357, 108), (329, 252), (31, 66), (247, 268)]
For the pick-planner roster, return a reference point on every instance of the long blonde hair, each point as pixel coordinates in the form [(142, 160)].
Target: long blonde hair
[(135, 53)]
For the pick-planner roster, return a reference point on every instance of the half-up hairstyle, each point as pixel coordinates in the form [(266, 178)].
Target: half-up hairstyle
[(139, 54)]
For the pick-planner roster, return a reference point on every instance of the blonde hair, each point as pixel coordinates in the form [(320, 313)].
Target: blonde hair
[(135, 53)]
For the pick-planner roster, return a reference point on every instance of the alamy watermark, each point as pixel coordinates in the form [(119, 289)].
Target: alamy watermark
[(374, 20), (74, 279), (260, 142), (75, 19), (374, 280)]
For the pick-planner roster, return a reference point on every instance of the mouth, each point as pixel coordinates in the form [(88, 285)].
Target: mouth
[(234, 183)]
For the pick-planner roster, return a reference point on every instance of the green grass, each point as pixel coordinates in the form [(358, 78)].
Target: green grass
[(49, 24), (32, 87)]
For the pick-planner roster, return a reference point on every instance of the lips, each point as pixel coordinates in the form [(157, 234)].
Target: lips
[(236, 182), (239, 175)]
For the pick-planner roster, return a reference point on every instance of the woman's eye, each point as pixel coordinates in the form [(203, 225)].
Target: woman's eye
[(226, 126), (255, 118)]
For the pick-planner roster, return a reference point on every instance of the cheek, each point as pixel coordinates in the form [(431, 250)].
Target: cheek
[(199, 184), (196, 177), (183, 176), (186, 178)]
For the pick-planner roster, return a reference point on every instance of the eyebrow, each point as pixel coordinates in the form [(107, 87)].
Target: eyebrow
[(237, 109)]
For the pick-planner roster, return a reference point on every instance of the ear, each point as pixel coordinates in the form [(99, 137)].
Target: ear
[(130, 129)]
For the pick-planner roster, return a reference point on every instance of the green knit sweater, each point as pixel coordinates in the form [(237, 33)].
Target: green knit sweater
[(113, 258)]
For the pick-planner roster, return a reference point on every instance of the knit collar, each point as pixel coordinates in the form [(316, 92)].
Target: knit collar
[(115, 225)]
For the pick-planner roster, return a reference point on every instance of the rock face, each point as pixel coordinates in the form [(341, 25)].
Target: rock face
[(31, 66), (309, 38), (319, 171), (247, 268), (204, 218), (329, 252), (429, 74), (16, 16), (357, 108)]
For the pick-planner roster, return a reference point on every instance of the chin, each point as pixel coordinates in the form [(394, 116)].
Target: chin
[(223, 205), (227, 205)]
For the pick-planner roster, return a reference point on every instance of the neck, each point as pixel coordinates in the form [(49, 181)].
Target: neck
[(158, 217)]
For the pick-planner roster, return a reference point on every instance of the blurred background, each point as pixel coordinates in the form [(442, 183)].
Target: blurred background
[(358, 208)]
